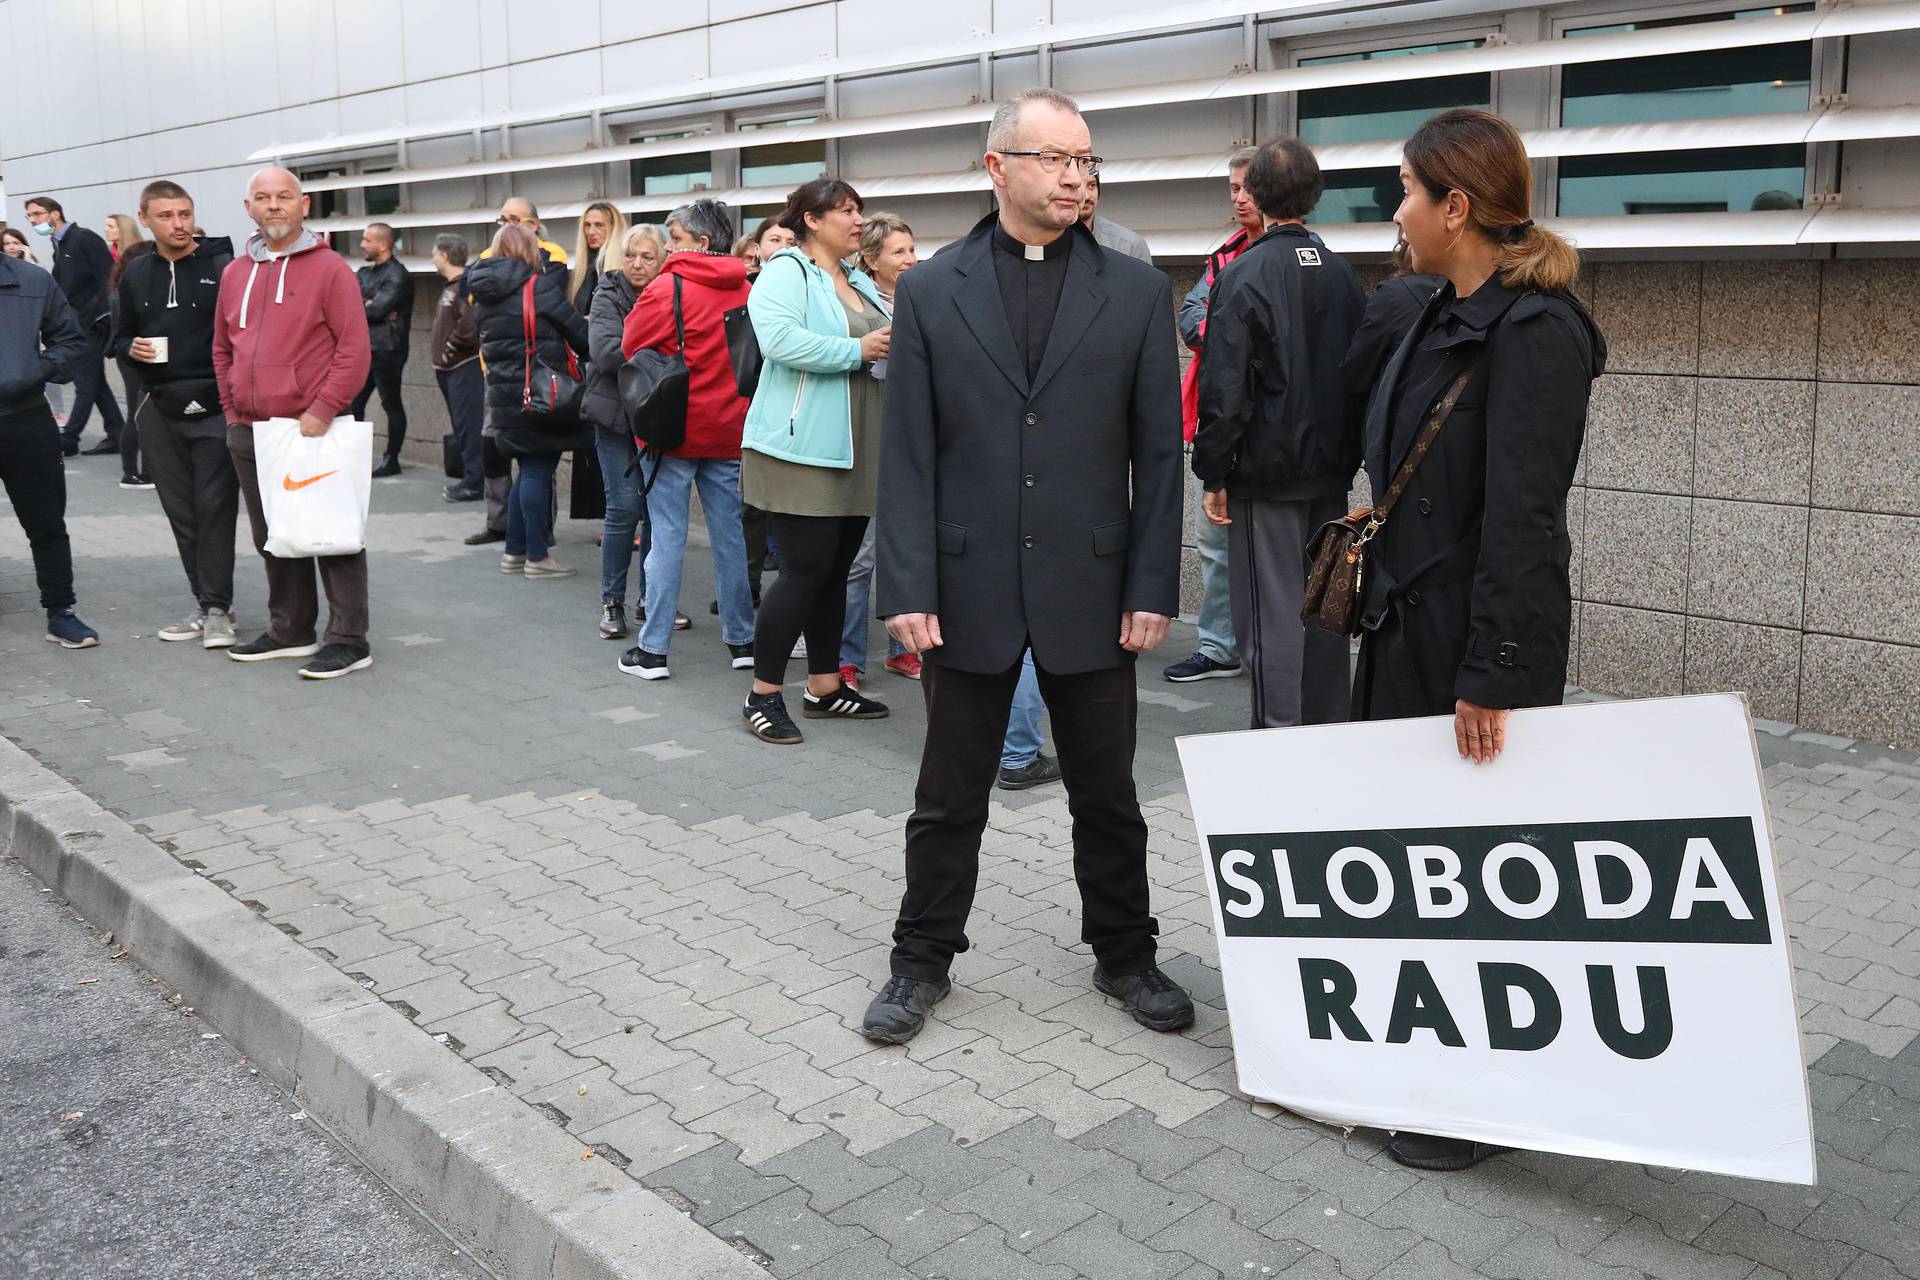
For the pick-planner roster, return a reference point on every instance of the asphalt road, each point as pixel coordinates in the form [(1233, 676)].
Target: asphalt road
[(135, 1142)]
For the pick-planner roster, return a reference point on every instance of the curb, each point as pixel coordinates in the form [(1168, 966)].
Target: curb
[(495, 1176)]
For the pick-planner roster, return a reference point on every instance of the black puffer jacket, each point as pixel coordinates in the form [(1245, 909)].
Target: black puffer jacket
[(1275, 425), (611, 302), (560, 333)]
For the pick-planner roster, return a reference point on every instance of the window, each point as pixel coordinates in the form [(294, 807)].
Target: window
[(381, 200), (1686, 86), (781, 164), (670, 175), (1375, 113)]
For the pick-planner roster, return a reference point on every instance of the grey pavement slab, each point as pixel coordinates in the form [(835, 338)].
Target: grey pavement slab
[(607, 896)]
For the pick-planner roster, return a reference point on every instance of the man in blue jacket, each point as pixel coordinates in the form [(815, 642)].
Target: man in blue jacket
[(39, 343), (82, 267)]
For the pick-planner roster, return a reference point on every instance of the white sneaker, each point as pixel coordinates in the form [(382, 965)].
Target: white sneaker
[(191, 627), (513, 564), (218, 630), (548, 568)]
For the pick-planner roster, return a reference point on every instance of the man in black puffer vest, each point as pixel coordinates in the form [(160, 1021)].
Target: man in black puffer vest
[(387, 289)]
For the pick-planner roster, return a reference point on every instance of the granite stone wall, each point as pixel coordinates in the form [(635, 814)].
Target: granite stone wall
[(1747, 510)]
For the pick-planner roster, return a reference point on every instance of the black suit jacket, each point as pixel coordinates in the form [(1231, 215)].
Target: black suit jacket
[(1031, 513), (82, 265)]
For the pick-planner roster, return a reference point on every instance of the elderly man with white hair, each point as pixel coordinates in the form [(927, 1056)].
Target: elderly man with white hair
[(290, 341)]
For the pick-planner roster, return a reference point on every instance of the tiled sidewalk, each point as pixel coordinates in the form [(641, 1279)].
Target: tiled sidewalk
[(660, 932)]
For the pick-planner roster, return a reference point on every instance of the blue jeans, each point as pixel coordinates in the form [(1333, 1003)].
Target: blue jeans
[(626, 512), (530, 505), (1216, 595), (853, 641), (1024, 738), (667, 508)]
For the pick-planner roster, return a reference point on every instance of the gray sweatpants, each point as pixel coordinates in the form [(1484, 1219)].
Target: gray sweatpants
[(1300, 672)]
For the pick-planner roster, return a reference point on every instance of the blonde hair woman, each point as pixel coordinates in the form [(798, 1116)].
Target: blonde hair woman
[(597, 248), (122, 233)]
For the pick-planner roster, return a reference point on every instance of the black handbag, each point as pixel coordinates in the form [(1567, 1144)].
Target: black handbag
[(653, 394), (743, 350), (549, 398), (451, 461)]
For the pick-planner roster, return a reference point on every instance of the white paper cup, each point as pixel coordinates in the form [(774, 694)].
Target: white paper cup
[(159, 350)]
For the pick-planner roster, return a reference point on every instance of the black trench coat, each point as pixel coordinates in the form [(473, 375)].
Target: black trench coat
[(1469, 595)]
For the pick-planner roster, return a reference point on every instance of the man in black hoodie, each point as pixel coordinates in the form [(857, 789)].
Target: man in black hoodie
[(1278, 445), (82, 266), (40, 342), (168, 299), (387, 289)]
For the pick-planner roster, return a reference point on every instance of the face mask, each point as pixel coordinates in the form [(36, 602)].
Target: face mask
[(43, 229)]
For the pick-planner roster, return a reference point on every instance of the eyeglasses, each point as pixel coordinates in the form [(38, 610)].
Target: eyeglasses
[(509, 220), (1055, 161)]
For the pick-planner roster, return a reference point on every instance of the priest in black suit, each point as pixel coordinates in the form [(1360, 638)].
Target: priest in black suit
[(1030, 495)]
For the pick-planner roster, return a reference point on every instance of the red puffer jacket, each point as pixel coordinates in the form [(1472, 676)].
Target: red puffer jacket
[(711, 284)]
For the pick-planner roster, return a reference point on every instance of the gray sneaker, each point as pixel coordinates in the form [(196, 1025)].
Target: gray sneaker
[(217, 630), (191, 627)]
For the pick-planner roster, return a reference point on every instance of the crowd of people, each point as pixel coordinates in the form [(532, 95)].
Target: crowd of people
[(984, 450)]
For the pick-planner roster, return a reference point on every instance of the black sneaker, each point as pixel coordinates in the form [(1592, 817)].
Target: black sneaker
[(1036, 772), (136, 480), (648, 666), (387, 466), (101, 448), (1443, 1155), (900, 1010), (1156, 1001), (69, 449), (1198, 666), (462, 493), (613, 620), (485, 536), (264, 647), (844, 703), (767, 719), (67, 631), (336, 660), (740, 656)]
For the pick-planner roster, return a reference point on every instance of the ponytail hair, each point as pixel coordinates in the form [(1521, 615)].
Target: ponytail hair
[(1481, 156)]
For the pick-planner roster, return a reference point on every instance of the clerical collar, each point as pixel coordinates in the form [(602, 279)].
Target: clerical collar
[(1032, 252)]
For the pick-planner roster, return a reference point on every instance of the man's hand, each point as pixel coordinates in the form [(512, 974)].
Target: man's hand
[(1142, 632), (311, 426), (918, 631), (1213, 504), (143, 350), (1479, 732)]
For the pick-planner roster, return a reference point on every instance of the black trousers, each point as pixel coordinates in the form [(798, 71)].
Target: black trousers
[(465, 391), (37, 487), (1094, 719), (130, 440), (384, 375), (809, 595), (753, 524), (89, 389), (192, 469)]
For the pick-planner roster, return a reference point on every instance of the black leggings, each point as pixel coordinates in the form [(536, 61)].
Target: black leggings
[(808, 595)]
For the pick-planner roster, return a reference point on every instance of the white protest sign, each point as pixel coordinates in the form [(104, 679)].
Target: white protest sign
[(1578, 948)]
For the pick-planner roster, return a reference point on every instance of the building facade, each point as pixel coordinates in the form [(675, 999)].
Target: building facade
[(1744, 183)]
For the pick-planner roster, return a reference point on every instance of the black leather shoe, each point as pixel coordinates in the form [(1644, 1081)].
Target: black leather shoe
[(69, 449), (387, 466), (1156, 1001), (1443, 1155), (100, 448), (485, 536), (1036, 772), (900, 1010)]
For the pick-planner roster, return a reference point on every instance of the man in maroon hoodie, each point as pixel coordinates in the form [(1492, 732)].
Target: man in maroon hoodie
[(290, 341)]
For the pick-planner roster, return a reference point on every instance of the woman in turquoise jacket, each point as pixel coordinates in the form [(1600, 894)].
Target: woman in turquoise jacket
[(810, 456)]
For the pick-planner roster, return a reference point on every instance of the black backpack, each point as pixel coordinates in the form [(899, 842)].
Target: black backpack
[(743, 350), (653, 395)]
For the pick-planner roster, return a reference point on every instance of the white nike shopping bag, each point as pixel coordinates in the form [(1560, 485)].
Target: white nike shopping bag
[(314, 489)]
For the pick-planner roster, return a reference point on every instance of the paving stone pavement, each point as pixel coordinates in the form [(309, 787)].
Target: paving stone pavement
[(661, 933)]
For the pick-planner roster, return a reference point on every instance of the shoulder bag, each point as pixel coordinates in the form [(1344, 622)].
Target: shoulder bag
[(743, 350), (1337, 555), (653, 393), (549, 398)]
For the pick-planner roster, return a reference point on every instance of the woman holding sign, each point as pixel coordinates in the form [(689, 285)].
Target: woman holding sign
[(1486, 403)]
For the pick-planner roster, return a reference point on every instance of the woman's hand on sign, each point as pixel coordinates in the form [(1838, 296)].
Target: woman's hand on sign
[(1479, 732)]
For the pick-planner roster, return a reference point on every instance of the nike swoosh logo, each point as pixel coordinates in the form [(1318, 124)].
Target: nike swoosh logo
[(290, 484)]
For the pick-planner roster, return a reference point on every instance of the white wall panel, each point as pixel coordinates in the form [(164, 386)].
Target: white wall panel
[(447, 98), (1013, 16), (929, 151), (670, 59), (493, 32), (371, 110), (909, 91), (569, 76), (244, 60), (308, 52), (554, 26), (875, 26), (367, 39), (776, 40), (439, 38), (625, 20), (124, 87), (728, 10)]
